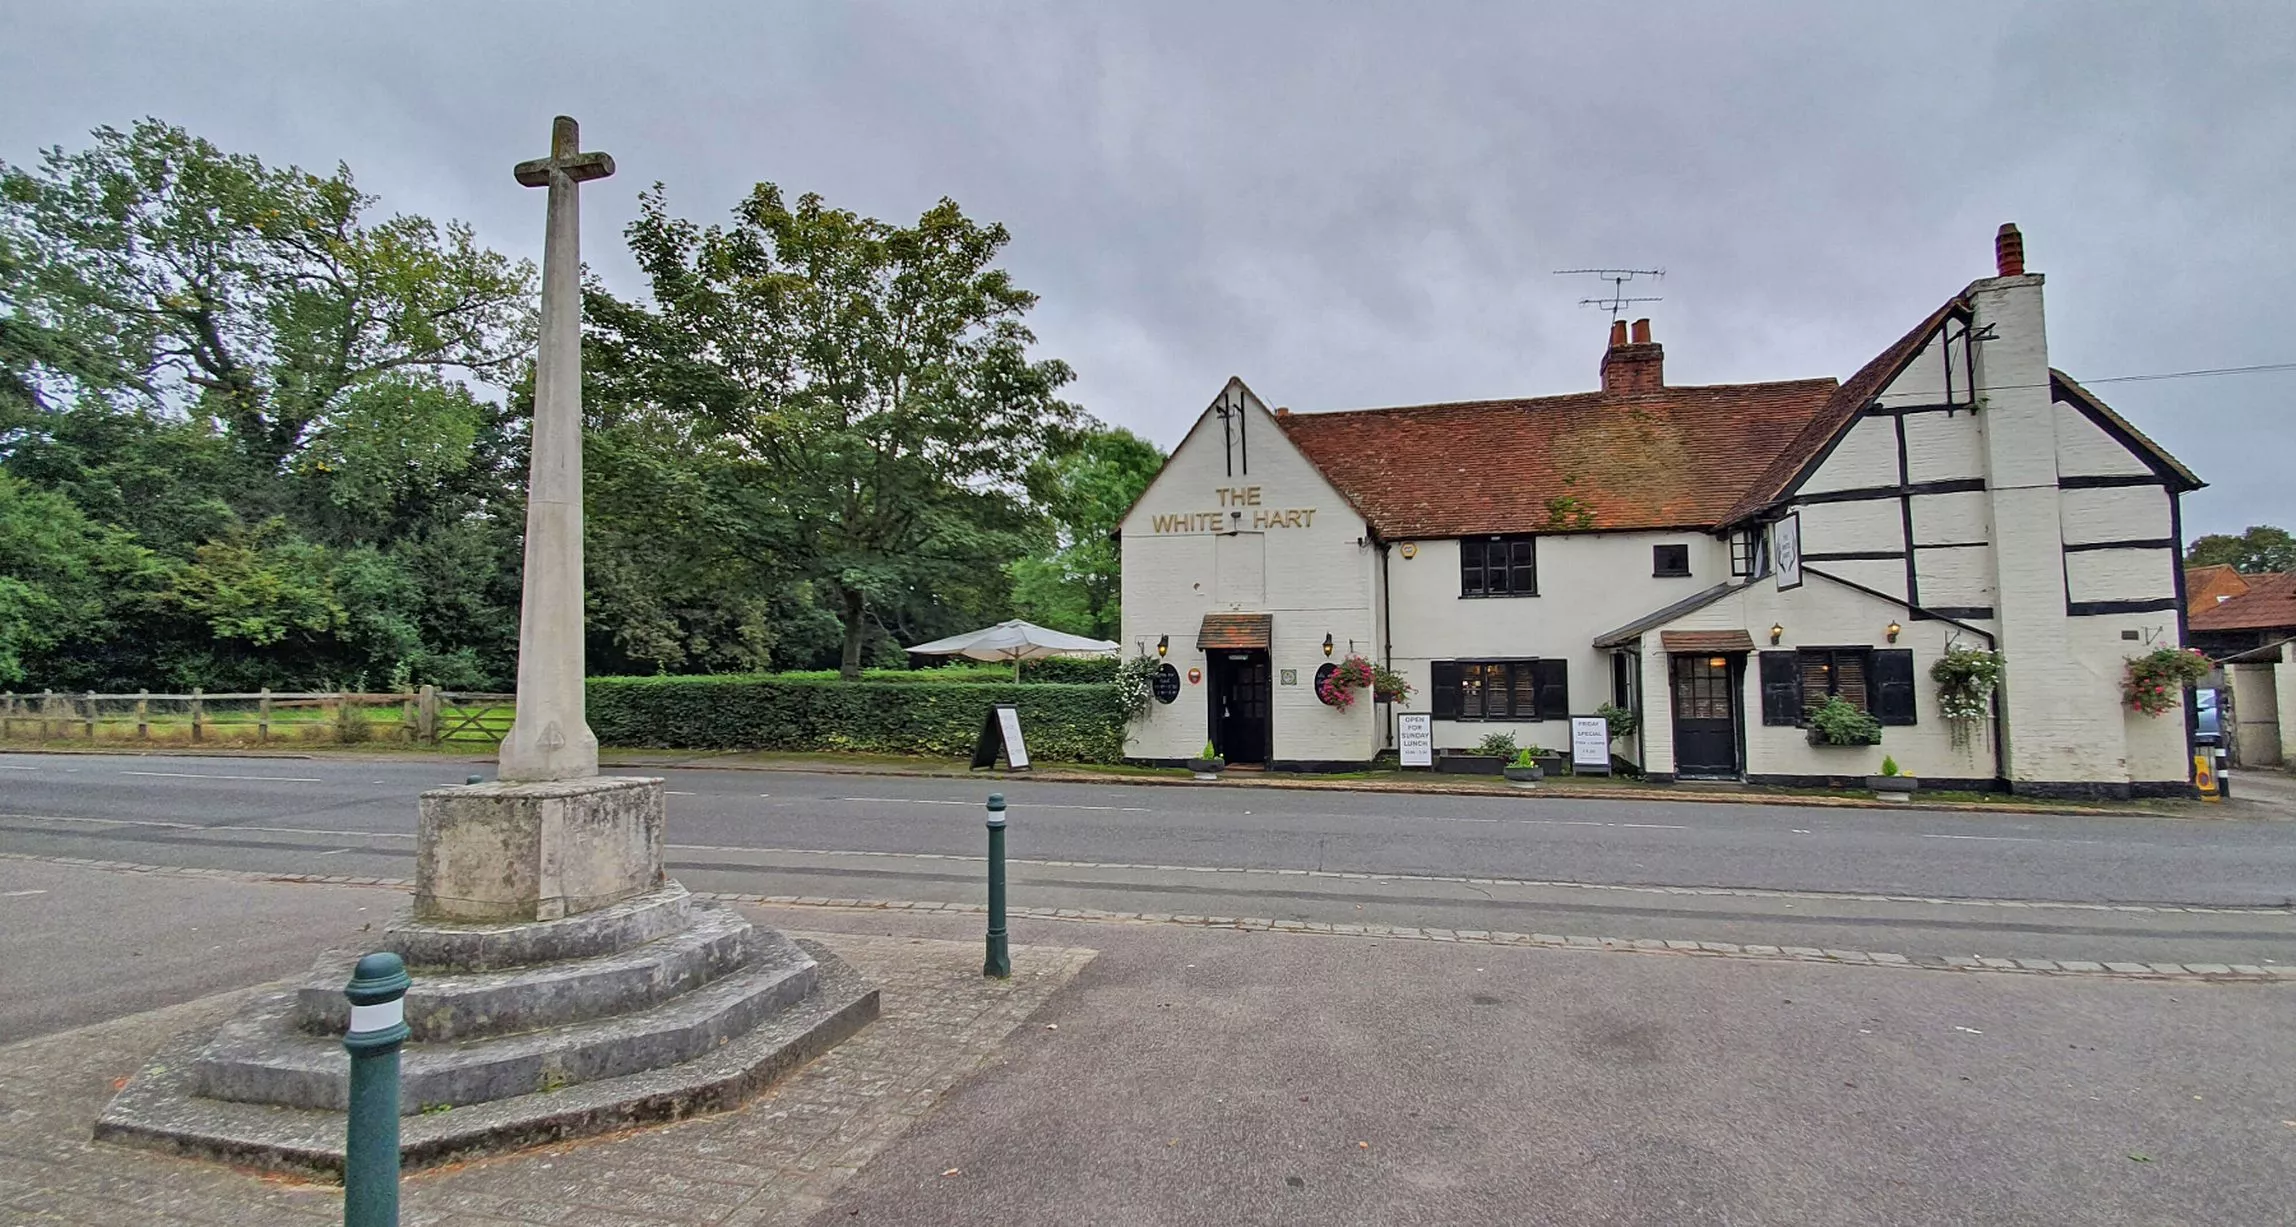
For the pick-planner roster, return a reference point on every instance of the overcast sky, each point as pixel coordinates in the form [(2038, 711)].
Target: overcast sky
[(1347, 204)]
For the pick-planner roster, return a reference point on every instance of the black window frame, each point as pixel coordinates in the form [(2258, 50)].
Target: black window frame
[(1864, 701), (1518, 559), (1541, 683), (1659, 554), (1749, 554)]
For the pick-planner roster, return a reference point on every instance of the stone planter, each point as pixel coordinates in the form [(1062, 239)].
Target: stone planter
[(1553, 764), (1207, 768), (1524, 777), (1470, 764), (1892, 787)]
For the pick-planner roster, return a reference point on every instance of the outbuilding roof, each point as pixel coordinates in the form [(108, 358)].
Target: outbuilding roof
[(2269, 603)]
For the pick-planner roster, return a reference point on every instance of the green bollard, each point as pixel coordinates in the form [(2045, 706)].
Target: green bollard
[(1000, 949), (378, 991), (474, 779)]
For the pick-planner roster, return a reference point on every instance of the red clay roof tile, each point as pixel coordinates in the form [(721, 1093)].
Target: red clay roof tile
[(2269, 604)]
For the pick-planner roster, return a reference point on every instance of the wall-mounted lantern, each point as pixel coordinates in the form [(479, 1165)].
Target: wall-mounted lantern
[(1327, 643), (1777, 632), (1164, 645), (1893, 631)]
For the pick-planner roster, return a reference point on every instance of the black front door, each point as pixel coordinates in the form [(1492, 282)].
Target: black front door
[(1240, 706), (1706, 716)]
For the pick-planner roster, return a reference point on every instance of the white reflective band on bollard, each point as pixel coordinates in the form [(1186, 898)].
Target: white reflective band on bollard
[(378, 1017)]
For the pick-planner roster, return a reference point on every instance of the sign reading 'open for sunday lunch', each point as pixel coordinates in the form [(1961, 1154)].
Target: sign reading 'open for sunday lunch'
[(1239, 508)]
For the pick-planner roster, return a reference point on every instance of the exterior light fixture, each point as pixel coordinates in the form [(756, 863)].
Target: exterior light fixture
[(1893, 630), (1164, 644), (1718, 662), (1327, 643), (1777, 632)]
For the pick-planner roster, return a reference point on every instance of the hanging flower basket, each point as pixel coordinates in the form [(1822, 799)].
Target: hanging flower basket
[(1966, 678), (1336, 684), (2156, 680), (1388, 686)]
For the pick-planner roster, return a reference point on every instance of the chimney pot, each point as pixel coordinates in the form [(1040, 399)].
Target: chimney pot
[(2009, 251), (1283, 411), (1642, 332), (1617, 333)]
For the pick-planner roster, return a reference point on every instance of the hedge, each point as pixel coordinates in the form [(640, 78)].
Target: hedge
[(1063, 722), (1051, 669)]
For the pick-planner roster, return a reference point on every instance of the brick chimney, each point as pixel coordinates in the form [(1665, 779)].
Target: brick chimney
[(1633, 365), (2009, 251)]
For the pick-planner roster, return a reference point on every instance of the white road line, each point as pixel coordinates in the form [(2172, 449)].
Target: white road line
[(189, 775), (1018, 805), (675, 793), (2006, 839), (6, 767), (18, 894)]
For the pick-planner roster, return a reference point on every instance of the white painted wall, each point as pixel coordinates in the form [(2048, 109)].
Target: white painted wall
[(1312, 570), (2115, 513), (2084, 448), (1589, 584), (1866, 457)]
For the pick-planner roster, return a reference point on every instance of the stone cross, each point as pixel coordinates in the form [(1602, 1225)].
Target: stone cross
[(550, 738)]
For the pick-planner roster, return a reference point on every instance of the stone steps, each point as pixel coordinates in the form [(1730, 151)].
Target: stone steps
[(475, 1005), (262, 1055), (449, 947)]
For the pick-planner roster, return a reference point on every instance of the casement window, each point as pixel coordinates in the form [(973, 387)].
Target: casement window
[(1749, 553), (1670, 561), (1876, 680), (1501, 689), (1499, 566)]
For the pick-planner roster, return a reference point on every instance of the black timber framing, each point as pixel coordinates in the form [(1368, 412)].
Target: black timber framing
[(2154, 543), (1855, 556), (2091, 609), (1864, 494), (2108, 481), (1904, 500)]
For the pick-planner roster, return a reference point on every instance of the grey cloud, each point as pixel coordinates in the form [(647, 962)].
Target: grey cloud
[(1351, 204)]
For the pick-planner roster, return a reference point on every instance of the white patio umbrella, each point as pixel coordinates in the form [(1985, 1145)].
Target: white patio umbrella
[(1015, 641)]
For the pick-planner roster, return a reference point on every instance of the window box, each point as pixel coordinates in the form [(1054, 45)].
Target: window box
[(1469, 764)]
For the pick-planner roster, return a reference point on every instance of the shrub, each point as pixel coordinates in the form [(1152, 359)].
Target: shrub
[(1622, 721), (1076, 669), (1134, 680), (1497, 745), (1836, 723), (1889, 765), (800, 712)]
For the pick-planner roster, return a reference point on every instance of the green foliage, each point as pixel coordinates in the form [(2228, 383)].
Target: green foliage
[(1133, 685), (2262, 548), (1209, 753), (1084, 485), (1388, 686), (1496, 745), (1525, 758), (1889, 766), (1062, 722), (1837, 723), (2156, 680), (1622, 721), (873, 379)]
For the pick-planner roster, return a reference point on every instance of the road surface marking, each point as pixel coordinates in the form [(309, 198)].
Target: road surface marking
[(334, 851), (2006, 839), (675, 793), (18, 894), (189, 775), (1122, 809), (6, 767)]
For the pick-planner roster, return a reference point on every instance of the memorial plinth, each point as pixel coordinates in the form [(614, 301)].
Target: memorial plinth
[(536, 851)]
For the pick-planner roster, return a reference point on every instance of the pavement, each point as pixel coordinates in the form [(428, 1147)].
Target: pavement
[(1189, 1074)]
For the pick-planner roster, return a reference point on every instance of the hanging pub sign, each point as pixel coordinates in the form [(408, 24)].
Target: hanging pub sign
[(1590, 745), (1165, 685), (1000, 729), (1786, 551), (1415, 739)]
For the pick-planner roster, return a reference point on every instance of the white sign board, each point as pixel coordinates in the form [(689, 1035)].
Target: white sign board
[(1786, 550), (1590, 745), (1016, 751), (1415, 739)]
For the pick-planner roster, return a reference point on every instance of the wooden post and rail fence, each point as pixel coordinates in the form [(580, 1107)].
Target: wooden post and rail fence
[(428, 716)]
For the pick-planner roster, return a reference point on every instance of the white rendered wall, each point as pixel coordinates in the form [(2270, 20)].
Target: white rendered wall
[(1311, 568), (1589, 583)]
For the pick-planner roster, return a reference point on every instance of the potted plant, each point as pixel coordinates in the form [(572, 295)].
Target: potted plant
[(1966, 678), (1892, 784), (1489, 757), (1208, 765), (1836, 723), (1388, 686), (1524, 770)]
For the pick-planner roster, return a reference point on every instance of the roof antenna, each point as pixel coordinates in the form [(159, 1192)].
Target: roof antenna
[(1617, 277)]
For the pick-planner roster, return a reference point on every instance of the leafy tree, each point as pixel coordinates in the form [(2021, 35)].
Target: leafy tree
[(874, 379), (155, 266), (61, 576), (2262, 548), (1084, 487)]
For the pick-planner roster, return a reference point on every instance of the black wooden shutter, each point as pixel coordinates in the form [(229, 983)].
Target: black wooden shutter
[(1781, 688), (1444, 675), (1891, 681), (1554, 689)]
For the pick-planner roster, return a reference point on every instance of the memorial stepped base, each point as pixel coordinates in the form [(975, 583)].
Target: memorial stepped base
[(652, 1009)]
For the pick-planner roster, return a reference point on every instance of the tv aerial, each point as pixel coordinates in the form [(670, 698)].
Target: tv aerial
[(1618, 299)]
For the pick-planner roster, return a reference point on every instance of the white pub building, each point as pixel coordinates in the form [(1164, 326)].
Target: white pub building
[(1719, 559)]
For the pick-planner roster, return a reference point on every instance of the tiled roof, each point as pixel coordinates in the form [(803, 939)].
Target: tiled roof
[(1706, 641), (2204, 584), (1660, 617), (1234, 630), (1838, 412), (2269, 603), (1672, 457)]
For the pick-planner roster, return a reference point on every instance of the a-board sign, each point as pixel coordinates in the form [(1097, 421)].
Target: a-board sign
[(1000, 729), (1590, 745), (1415, 739)]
